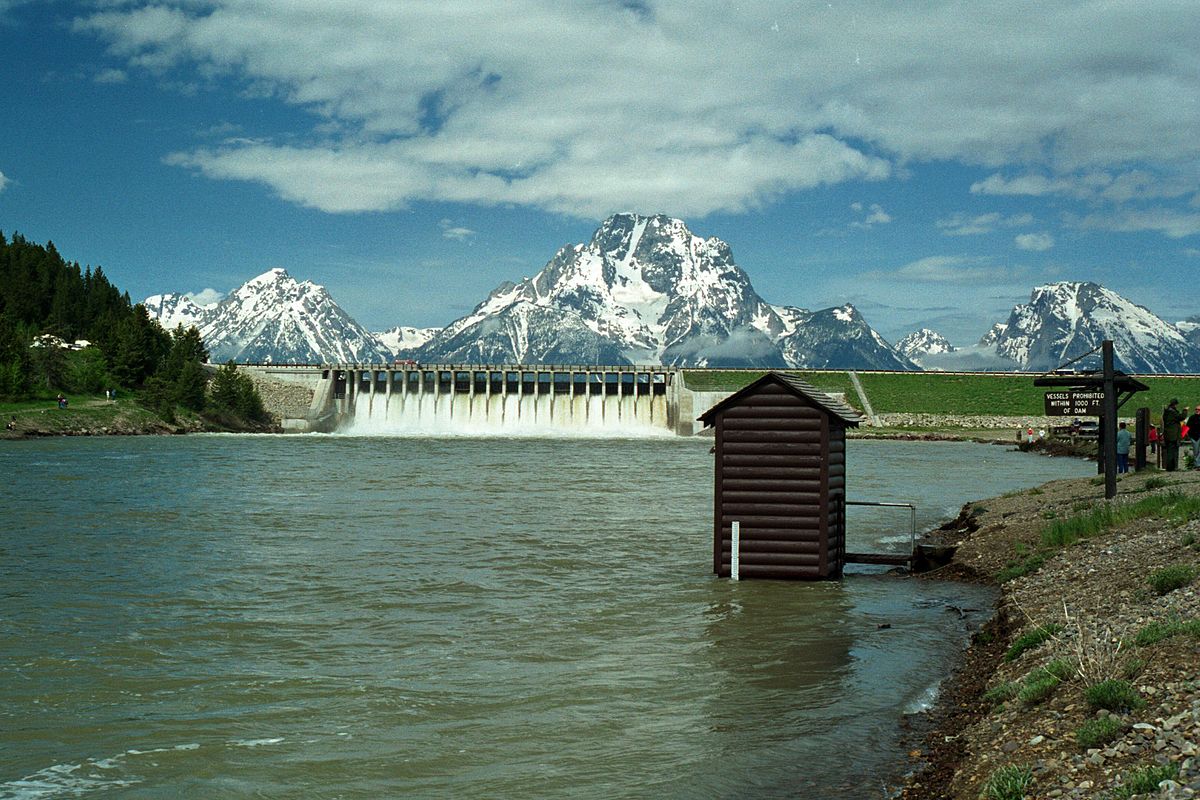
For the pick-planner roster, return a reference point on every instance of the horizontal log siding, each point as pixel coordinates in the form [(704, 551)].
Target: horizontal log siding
[(771, 460)]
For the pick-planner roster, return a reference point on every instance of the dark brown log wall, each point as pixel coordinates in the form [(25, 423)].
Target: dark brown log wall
[(776, 455)]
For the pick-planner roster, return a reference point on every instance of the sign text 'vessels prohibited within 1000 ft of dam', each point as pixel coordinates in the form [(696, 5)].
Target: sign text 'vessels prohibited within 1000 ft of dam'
[(1074, 404)]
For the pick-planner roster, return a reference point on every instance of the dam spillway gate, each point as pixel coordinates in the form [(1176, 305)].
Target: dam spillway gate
[(503, 398)]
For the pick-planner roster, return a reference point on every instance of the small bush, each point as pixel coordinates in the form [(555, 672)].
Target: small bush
[(1156, 632), (1176, 576), (1008, 783), (1115, 695), (1146, 780), (1030, 640), (1037, 687), (1017, 569), (1001, 692), (1060, 668), (1157, 482), (1096, 732)]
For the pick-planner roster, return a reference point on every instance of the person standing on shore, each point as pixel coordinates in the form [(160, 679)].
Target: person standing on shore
[(1124, 439), (1193, 423), (1171, 433)]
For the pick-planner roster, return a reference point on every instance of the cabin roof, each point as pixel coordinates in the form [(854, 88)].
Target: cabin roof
[(797, 386)]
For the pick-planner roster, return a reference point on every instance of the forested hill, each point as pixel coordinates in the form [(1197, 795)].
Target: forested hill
[(47, 301), (41, 291)]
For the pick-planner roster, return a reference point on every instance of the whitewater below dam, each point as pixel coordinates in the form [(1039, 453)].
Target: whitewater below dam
[(422, 616)]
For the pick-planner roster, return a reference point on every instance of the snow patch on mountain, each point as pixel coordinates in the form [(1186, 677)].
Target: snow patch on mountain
[(402, 340)]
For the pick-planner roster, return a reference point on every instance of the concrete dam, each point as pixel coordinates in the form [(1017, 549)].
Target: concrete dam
[(480, 399)]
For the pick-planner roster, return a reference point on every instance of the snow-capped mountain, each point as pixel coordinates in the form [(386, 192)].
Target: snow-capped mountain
[(1064, 320), (646, 290), (402, 339), (993, 335), (175, 309), (924, 342), (1190, 328), (274, 318)]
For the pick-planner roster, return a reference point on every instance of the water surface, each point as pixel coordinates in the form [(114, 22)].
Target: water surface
[(355, 617)]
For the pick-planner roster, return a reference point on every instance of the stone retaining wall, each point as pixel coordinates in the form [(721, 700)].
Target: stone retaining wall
[(980, 422), (280, 399)]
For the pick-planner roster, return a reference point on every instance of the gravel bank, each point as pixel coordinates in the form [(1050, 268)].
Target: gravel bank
[(1003, 711)]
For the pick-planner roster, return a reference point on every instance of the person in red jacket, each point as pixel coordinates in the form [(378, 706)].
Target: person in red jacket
[(1193, 432)]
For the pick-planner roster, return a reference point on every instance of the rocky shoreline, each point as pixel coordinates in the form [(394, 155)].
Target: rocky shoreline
[(1026, 710)]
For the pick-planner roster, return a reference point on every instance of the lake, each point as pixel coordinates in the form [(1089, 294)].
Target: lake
[(369, 617)]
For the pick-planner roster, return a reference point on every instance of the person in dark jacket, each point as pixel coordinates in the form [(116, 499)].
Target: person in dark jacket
[(1193, 423), (1172, 416)]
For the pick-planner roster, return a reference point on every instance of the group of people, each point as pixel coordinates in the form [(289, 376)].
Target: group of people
[(1177, 427), (62, 401)]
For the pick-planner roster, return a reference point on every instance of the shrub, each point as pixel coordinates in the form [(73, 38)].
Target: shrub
[(1168, 579), (1017, 569), (1037, 687), (1096, 732), (1115, 695), (1157, 482), (1145, 780), (1008, 783), (1030, 640), (1001, 692), (1156, 632), (1060, 668)]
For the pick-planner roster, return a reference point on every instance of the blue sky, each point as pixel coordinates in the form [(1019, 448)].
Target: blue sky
[(929, 162)]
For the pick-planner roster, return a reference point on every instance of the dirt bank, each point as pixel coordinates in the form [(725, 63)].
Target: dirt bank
[(1028, 714)]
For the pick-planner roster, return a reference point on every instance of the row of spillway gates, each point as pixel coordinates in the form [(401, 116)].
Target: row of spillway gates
[(508, 398)]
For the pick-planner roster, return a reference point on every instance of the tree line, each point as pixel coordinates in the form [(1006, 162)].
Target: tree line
[(45, 300)]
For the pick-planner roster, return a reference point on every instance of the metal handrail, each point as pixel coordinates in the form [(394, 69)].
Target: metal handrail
[(912, 531)]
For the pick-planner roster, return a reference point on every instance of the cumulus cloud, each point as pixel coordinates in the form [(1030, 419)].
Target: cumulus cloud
[(205, 297), (3, 181), (666, 104), (966, 225), (1037, 242)]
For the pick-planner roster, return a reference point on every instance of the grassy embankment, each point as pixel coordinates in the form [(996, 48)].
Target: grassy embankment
[(1000, 394), (94, 415)]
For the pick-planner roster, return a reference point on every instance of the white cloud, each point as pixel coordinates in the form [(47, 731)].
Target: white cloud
[(205, 297), (455, 232), (3, 181), (965, 270), (1037, 242), (875, 215), (111, 75), (671, 105), (1167, 221), (963, 225)]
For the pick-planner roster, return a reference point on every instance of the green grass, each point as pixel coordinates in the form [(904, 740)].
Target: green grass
[(1168, 579), (1156, 632), (1037, 687), (1001, 692), (1096, 732), (1114, 695), (1008, 783), (1017, 569), (1030, 640), (1145, 781), (1172, 506), (997, 394)]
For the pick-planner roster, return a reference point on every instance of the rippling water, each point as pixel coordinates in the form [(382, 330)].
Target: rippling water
[(338, 617)]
